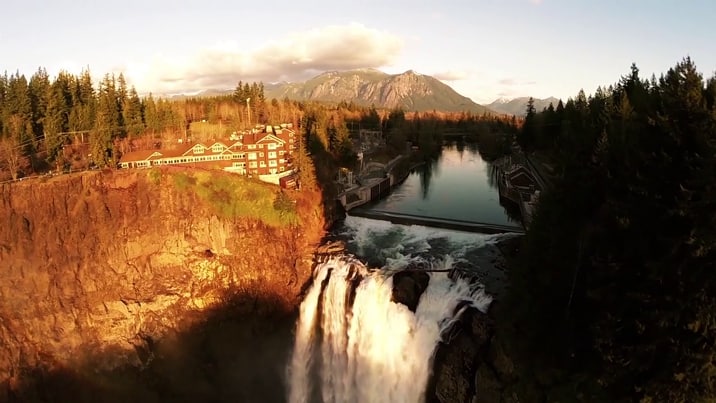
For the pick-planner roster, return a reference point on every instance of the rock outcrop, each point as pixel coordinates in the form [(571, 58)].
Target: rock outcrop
[(98, 268), (408, 287)]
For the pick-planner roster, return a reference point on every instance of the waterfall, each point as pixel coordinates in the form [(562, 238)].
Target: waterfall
[(353, 344)]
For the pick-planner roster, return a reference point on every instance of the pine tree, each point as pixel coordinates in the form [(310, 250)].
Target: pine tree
[(107, 123), (17, 114), (527, 137), (84, 106), (151, 117), (56, 120), (132, 114), (122, 99), (395, 130), (39, 90)]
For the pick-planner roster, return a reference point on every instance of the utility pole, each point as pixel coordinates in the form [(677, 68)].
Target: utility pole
[(248, 110)]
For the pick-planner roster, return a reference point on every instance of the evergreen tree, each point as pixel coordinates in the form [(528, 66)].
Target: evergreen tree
[(84, 105), (39, 90), (132, 114), (151, 117), (627, 234), (107, 124), (371, 121), (528, 136), (395, 130), (122, 99), (56, 120)]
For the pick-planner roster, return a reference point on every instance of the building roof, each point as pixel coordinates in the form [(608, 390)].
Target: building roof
[(281, 135), (141, 155), (521, 179)]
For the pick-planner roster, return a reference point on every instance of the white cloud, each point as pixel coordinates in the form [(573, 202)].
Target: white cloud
[(295, 57), (452, 75)]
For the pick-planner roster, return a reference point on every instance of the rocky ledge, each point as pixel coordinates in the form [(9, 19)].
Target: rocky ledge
[(136, 285)]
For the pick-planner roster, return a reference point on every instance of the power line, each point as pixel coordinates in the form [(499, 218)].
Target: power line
[(44, 135)]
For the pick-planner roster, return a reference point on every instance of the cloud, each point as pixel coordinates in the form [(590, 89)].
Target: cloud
[(295, 57), (451, 75), (510, 82)]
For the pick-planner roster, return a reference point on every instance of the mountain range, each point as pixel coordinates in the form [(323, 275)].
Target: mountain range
[(518, 106), (410, 91)]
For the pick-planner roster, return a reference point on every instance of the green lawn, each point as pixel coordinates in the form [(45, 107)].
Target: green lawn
[(234, 196)]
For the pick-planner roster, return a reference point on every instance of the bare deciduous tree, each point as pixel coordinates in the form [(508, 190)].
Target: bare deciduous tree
[(11, 156)]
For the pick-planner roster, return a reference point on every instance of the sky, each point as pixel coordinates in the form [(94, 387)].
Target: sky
[(484, 49)]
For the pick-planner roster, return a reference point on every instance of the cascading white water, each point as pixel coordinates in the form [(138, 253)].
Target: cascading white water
[(365, 347)]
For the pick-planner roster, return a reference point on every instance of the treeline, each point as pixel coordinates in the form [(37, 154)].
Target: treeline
[(332, 130), (618, 288), (71, 121), (39, 117)]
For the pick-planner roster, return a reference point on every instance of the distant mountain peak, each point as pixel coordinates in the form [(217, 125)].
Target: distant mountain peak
[(410, 91), (518, 106)]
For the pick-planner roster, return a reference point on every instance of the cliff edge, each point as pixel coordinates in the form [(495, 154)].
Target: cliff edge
[(98, 267)]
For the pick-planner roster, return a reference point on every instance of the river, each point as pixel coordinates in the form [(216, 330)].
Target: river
[(353, 341), (456, 186)]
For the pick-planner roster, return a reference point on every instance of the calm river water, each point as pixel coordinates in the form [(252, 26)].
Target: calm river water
[(459, 185)]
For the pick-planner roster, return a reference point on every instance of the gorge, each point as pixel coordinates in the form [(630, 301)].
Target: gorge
[(121, 285), (153, 285)]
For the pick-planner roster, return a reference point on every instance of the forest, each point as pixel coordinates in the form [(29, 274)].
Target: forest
[(73, 122), (617, 286)]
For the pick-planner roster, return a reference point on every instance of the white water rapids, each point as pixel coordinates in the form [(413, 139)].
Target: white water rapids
[(353, 344)]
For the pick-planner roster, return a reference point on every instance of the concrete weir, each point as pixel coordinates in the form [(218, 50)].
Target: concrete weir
[(458, 225)]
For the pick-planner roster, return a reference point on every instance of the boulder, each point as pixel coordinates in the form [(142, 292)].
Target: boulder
[(408, 286)]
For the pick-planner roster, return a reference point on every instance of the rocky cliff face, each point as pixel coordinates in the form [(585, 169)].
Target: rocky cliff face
[(98, 268), (409, 90)]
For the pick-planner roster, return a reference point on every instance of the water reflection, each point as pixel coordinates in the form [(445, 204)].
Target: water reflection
[(460, 147), (426, 174), (459, 185), (493, 174)]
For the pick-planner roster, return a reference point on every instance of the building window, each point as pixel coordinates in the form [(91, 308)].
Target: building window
[(261, 154), (252, 164), (272, 146), (272, 163), (252, 156), (198, 149), (217, 148), (261, 146), (252, 146), (262, 164), (241, 156), (272, 154)]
